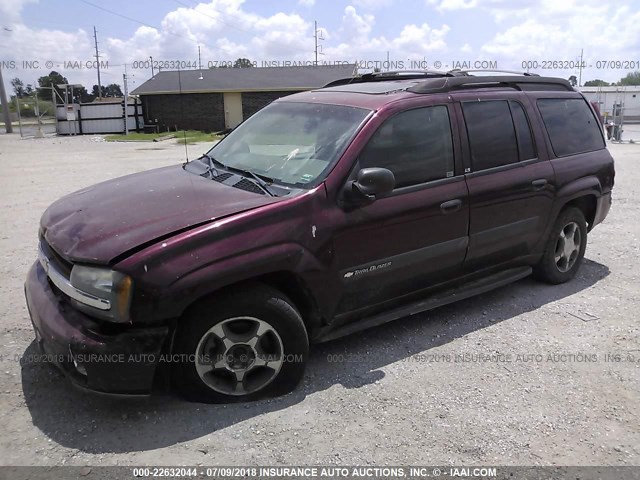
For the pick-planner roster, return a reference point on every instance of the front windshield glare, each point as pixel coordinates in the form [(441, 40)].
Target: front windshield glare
[(292, 143)]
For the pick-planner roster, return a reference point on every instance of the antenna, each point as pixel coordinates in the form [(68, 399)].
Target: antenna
[(317, 35), (184, 132)]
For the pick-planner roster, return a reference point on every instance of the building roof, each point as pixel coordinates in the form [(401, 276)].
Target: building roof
[(256, 79), (611, 89)]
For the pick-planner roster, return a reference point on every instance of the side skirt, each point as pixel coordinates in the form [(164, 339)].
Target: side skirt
[(466, 290)]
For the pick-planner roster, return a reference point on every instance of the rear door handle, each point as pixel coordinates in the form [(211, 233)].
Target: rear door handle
[(451, 206), (539, 184)]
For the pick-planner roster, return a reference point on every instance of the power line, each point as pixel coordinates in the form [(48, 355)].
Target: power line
[(134, 20), (140, 22)]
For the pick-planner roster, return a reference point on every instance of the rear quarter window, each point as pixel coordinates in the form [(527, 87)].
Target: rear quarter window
[(571, 126)]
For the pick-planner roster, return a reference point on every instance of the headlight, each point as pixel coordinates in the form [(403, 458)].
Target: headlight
[(107, 284)]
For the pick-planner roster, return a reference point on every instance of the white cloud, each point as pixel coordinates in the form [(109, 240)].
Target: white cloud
[(372, 4), (307, 3), (560, 30), (452, 5), (10, 11), (357, 41), (228, 29)]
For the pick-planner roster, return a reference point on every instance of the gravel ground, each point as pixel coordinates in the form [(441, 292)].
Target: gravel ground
[(404, 393)]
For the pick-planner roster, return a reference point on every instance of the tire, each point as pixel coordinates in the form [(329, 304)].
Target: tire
[(563, 251), (239, 347)]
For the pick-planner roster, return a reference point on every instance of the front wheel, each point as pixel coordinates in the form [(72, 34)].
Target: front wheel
[(565, 248), (240, 347)]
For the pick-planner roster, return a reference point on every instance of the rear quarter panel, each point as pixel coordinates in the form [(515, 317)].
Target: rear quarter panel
[(589, 173)]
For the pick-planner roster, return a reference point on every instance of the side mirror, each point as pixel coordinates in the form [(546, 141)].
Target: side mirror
[(370, 184)]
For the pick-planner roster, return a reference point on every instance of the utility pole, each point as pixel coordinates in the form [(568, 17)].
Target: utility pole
[(126, 101), (318, 48), (151, 59), (199, 64), (5, 106), (580, 70), (39, 133), (95, 39)]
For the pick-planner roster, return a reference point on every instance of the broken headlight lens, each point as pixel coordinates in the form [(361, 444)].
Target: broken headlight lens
[(115, 287)]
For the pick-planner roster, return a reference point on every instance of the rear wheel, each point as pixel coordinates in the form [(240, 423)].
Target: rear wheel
[(565, 248), (240, 347)]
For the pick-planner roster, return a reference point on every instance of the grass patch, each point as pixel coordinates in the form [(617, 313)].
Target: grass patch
[(134, 137), (191, 136), (194, 136)]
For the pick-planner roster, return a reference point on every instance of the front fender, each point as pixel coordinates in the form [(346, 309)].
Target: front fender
[(287, 257)]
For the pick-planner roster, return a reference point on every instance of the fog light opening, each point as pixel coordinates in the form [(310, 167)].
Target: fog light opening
[(80, 368)]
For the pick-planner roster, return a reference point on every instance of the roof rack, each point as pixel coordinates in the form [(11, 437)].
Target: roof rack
[(434, 81), (391, 75), (521, 82)]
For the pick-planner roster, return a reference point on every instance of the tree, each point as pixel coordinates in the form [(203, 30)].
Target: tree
[(80, 95), (18, 87), (573, 80), (95, 91), (242, 63), (45, 83), (113, 90), (596, 83), (29, 89), (632, 78)]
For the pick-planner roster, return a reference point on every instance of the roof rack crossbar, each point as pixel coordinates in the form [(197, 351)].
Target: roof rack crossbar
[(390, 75), (513, 72)]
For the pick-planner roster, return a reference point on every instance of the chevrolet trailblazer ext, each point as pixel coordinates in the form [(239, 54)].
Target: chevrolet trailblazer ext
[(328, 211)]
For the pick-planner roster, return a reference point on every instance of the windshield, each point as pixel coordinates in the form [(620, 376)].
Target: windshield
[(291, 143)]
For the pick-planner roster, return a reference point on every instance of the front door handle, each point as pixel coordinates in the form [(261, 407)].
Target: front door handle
[(539, 184), (451, 206)]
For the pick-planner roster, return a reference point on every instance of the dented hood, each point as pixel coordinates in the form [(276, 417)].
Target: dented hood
[(101, 222)]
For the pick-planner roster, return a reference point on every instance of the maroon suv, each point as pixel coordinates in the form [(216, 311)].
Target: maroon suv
[(327, 212)]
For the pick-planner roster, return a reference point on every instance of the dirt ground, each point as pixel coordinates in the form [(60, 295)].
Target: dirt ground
[(529, 374)]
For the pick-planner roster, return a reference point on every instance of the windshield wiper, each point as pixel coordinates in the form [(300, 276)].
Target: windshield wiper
[(212, 163)]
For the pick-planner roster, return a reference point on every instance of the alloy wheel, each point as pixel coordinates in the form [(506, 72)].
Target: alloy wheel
[(239, 356), (568, 247)]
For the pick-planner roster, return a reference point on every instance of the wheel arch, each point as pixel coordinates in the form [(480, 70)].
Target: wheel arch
[(286, 282), (587, 204)]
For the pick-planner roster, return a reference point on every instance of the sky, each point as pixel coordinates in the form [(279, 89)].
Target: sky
[(543, 36)]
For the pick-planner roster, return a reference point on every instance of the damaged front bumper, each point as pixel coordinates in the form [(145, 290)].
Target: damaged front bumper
[(121, 363)]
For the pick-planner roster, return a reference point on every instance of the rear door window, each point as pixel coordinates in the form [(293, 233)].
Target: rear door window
[(571, 125), (492, 137)]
